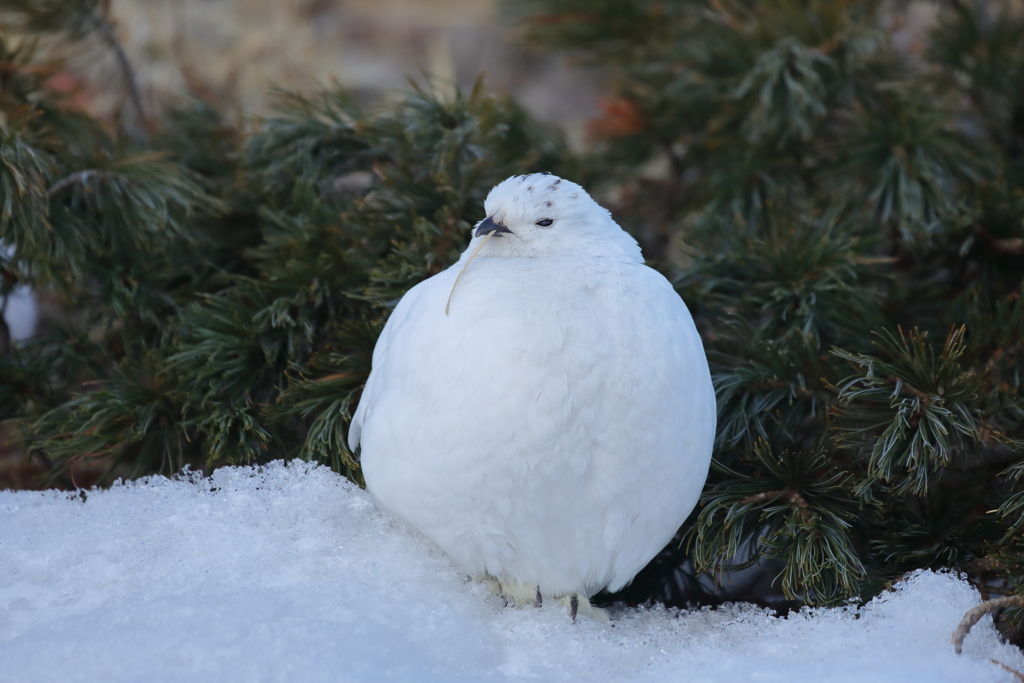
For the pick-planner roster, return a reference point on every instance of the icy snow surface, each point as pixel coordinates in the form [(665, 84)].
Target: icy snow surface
[(290, 574)]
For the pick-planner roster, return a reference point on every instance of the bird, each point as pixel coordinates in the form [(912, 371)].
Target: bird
[(543, 409)]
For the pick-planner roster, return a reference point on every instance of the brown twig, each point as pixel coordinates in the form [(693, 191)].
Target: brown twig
[(769, 384), (76, 178), (34, 69), (1019, 676), (337, 375), (789, 495), (909, 388), (1010, 246), (1004, 246), (105, 29), (973, 615)]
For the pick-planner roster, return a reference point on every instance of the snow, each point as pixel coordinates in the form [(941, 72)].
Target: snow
[(20, 313), (18, 308), (289, 573)]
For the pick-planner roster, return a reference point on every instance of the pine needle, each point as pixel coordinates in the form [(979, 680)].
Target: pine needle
[(459, 276)]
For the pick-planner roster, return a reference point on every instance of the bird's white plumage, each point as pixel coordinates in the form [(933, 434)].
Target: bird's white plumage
[(555, 430)]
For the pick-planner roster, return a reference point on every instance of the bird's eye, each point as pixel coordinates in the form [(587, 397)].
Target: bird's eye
[(545, 222)]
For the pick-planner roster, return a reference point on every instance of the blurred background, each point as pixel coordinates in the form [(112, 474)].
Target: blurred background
[(235, 51)]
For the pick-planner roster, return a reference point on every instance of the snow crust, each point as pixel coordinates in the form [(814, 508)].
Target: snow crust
[(289, 573)]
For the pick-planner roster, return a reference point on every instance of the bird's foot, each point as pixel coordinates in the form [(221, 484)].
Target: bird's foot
[(514, 593), (518, 594), (579, 604)]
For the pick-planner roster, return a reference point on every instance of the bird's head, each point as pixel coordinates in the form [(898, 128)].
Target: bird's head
[(541, 214)]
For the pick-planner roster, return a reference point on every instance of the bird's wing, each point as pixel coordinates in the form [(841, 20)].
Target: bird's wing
[(380, 353)]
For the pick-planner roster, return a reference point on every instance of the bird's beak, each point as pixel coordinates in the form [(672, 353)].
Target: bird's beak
[(487, 225)]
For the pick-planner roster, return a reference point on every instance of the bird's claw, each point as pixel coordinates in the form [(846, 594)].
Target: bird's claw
[(579, 604)]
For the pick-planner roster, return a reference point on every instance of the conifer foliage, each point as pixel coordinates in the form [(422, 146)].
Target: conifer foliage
[(838, 195)]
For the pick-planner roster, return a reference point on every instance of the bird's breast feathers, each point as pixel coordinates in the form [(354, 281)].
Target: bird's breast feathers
[(550, 393)]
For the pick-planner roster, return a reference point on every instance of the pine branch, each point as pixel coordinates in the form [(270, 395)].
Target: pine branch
[(794, 506), (911, 433)]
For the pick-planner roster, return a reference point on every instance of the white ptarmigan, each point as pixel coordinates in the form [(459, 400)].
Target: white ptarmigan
[(553, 429)]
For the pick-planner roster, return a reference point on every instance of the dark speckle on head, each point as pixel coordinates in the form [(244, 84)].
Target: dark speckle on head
[(526, 206)]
